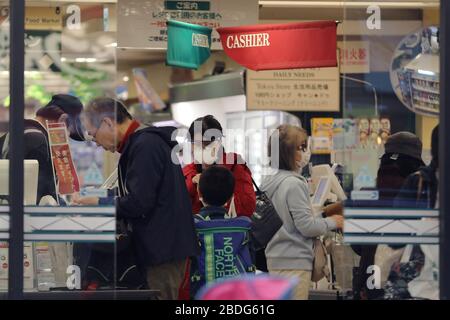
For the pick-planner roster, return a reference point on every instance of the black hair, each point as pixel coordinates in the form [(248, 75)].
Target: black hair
[(406, 164), (435, 147), (52, 112), (100, 108), (208, 122), (216, 185)]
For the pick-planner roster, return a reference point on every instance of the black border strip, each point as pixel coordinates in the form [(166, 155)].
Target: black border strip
[(444, 151), (16, 153)]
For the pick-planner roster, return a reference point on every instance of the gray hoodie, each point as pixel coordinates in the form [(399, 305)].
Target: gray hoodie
[(292, 246)]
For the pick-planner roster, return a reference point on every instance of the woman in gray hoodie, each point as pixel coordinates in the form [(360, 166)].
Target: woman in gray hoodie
[(290, 252)]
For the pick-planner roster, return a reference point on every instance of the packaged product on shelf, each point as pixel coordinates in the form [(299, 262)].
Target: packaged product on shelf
[(375, 128), (364, 130), (385, 129), (28, 266), (44, 269)]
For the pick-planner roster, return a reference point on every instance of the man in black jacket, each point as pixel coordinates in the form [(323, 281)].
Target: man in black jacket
[(61, 108), (420, 189), (403, 156), (153, 198)]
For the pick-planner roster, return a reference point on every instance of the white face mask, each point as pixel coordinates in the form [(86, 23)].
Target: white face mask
[(209, 154), (306, 157)]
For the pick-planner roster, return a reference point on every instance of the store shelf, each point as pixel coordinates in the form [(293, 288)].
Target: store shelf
[(426, 100), (369, 226), (383, 239), (377, 213), (424, 78), (96, 224), (426, 108), (419, 88)]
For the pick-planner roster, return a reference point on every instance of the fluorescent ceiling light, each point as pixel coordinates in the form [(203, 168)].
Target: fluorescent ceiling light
[(426, 72), (349, 4), (31, 72), (126, 79), (111, 45), (88, 60), (63, 59)]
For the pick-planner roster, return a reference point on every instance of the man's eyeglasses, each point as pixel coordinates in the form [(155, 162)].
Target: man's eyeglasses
[(93, 137)]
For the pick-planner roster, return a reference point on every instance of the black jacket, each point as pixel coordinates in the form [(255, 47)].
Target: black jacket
[(153, 199), (36, 146), (419, 190)]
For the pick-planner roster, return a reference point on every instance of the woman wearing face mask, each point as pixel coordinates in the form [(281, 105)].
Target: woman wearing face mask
[(205, 136), (290, 252)]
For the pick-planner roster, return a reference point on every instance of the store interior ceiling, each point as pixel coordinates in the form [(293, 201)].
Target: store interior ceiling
[(93, 44), (275, 11)]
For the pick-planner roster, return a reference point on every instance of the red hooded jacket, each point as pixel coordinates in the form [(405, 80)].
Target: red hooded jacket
[(244, 194)]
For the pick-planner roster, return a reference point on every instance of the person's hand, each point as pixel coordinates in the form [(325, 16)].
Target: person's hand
[(334, 209), (84, 201), (339, 221), (196, 178)]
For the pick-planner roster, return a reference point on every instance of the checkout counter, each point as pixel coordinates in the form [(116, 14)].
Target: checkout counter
[(49, 233)]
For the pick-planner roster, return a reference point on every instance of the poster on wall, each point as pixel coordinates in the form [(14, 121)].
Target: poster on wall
[(313, 89), (142, 24), (322, 135), (354, 56), (68, 182)]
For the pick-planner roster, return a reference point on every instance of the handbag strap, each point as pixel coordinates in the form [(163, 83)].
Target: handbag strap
[(276, 189), (256, 186), (407, 252)]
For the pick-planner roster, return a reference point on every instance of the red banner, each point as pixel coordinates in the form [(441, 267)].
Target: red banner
[(281, 46), (62, 159)]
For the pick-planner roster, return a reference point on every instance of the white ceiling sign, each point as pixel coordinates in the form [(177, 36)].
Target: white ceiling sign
[(143, 24)]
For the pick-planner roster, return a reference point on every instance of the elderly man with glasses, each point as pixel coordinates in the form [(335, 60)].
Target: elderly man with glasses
[(152, 197)]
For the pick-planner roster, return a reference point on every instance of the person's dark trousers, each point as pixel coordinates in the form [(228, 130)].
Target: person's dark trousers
[(166, 278), (259, 259)]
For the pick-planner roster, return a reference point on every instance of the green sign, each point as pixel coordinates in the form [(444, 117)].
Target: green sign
[(187, 5)]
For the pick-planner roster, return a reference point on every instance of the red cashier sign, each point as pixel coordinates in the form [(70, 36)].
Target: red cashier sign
[(281, 46), (62, 159)]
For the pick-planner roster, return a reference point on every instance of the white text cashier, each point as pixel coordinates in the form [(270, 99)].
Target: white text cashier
[(248, 40)]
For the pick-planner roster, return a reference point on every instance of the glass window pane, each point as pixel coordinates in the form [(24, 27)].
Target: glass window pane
[(390, 75), (69, 60), (4, 127)]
